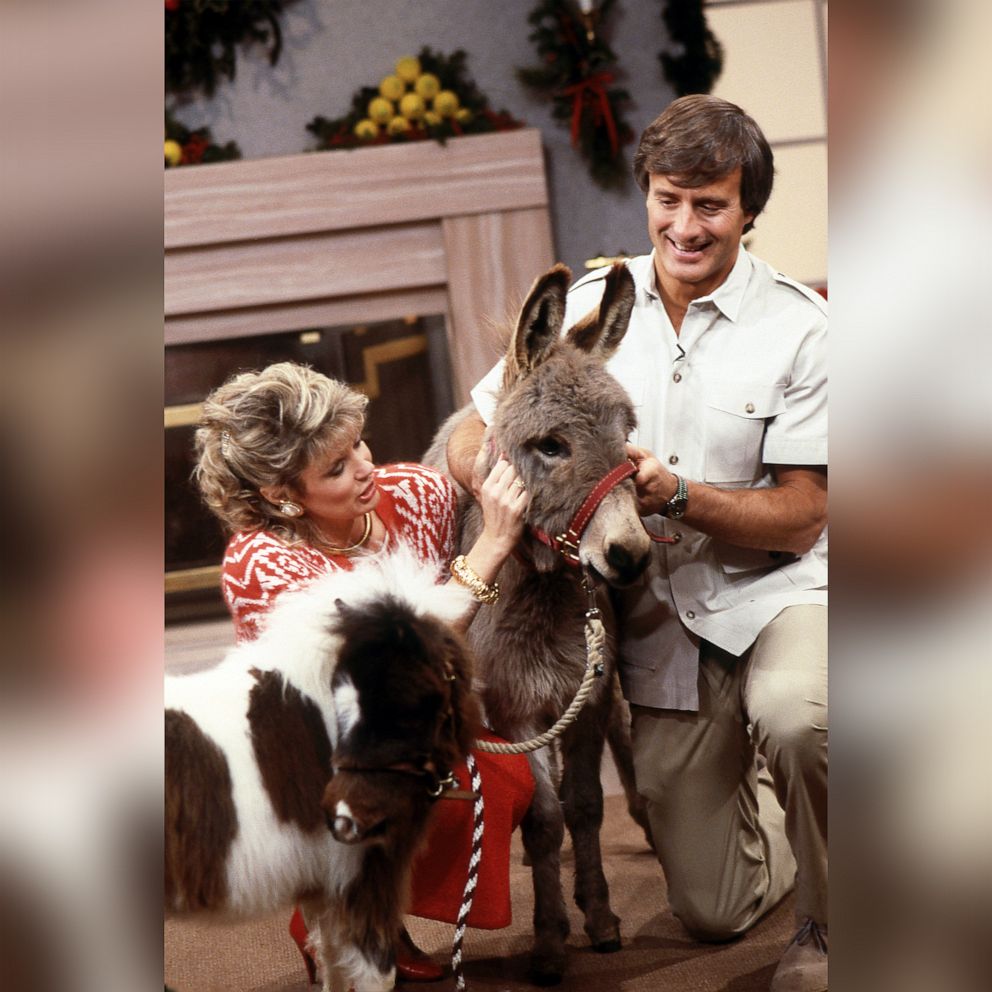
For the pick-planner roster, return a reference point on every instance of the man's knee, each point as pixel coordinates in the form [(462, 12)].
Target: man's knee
[(789, 721), (786, 688), (708, 922)]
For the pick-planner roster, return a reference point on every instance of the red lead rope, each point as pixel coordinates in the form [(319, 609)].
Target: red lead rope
[(567, 544)]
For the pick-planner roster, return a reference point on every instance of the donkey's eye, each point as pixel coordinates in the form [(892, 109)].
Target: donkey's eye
[(551, 447)]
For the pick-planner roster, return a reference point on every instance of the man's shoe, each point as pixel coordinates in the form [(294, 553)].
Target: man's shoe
[(803, 967)]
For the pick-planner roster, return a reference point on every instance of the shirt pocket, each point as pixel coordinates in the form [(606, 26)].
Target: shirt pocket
[(735, 415)]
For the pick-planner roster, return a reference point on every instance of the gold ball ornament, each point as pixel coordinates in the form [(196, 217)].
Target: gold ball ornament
[(381, 110), (408, 68), (428, 86), (446, 103), (463, 115), (392, 87), (365, 129), (412, 107), (173, 152), (398, 125), (432, 119)]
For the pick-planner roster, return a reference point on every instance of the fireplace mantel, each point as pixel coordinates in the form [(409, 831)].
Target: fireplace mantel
[(255, 247)]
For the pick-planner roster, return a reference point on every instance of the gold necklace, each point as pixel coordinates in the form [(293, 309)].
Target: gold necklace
[(358, 543)]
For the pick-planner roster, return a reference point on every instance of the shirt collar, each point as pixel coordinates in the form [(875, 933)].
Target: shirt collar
[(727, 297)]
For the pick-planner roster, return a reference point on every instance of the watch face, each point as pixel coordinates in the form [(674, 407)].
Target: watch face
[(676, 508)]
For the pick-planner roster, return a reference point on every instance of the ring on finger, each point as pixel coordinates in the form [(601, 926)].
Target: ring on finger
[(519, 484)]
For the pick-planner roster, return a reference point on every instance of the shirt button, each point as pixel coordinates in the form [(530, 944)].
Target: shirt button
[(673, 459), (676, 537), (749, 408), (677, 377), (690, 615)]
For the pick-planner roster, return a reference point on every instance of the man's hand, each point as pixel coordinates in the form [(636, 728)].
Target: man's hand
[(788, 516), (655, 485), (467, 459), (480, 467)]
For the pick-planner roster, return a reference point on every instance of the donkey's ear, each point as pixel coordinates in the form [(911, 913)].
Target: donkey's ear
[(540, 320), (606, 329), (615, 307)]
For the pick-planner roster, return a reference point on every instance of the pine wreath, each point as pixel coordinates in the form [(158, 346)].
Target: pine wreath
[(430, 96), (577, 71), (701, 62), (201, 37)]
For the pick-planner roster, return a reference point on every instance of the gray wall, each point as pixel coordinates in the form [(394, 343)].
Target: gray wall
[(332, 47)]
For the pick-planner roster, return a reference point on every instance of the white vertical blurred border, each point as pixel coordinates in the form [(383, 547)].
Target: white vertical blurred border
[(911, 461), (80, 455)]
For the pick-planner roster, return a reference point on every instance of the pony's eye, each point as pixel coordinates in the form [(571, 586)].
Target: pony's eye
[(551, 447)]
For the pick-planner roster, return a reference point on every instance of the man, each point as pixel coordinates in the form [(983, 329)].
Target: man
[(723, 648)]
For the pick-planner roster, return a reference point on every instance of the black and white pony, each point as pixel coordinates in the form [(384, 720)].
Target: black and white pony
[(303, 768)]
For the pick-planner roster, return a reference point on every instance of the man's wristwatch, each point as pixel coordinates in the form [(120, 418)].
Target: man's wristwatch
[(675, 508)]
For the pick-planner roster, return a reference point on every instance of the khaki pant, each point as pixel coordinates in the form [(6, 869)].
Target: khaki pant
[(732, 840)]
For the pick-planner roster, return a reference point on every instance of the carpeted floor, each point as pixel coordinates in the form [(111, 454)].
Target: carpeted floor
[(657, 955)]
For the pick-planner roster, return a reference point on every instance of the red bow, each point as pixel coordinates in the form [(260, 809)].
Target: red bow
[(595, 85)]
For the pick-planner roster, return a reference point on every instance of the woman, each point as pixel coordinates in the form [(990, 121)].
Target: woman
[(282, 464)]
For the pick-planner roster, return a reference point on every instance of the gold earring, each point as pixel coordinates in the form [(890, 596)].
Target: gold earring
[(290, 509)]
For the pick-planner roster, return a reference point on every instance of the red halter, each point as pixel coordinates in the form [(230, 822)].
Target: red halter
[(567, 544)]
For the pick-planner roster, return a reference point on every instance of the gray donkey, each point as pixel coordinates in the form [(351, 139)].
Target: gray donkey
[(562, 420)]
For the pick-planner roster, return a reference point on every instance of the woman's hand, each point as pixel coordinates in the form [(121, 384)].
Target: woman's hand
[(503, 498)]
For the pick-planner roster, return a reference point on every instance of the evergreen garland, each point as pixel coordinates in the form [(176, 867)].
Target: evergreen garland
[(701, 62), (196, 147), (201, 35), (473, 116), (577, 71)]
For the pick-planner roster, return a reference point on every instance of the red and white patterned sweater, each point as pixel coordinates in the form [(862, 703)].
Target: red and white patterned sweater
[(417, 507)]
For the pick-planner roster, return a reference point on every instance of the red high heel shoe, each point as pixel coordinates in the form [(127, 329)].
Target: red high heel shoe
[(298, 931), (412, 964)]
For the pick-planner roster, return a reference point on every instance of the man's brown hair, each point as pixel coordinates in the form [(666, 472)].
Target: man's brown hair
[(699, 139)]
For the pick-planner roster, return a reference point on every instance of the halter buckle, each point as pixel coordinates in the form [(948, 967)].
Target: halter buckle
[(567, 548)]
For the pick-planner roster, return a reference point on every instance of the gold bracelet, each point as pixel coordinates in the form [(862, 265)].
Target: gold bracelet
[(463, 573)]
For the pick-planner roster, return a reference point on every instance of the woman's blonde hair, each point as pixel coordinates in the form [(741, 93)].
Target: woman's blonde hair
[(263, 429)]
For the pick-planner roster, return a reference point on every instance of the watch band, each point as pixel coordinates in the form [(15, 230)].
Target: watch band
[(675, 508)]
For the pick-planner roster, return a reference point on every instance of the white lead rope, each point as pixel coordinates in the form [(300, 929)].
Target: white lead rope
[(468, 896)]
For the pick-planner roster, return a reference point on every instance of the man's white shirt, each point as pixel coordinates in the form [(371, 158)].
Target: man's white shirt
[(742, 387)]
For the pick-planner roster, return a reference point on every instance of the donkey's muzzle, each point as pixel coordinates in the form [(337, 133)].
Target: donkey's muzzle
[(627, 568)]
